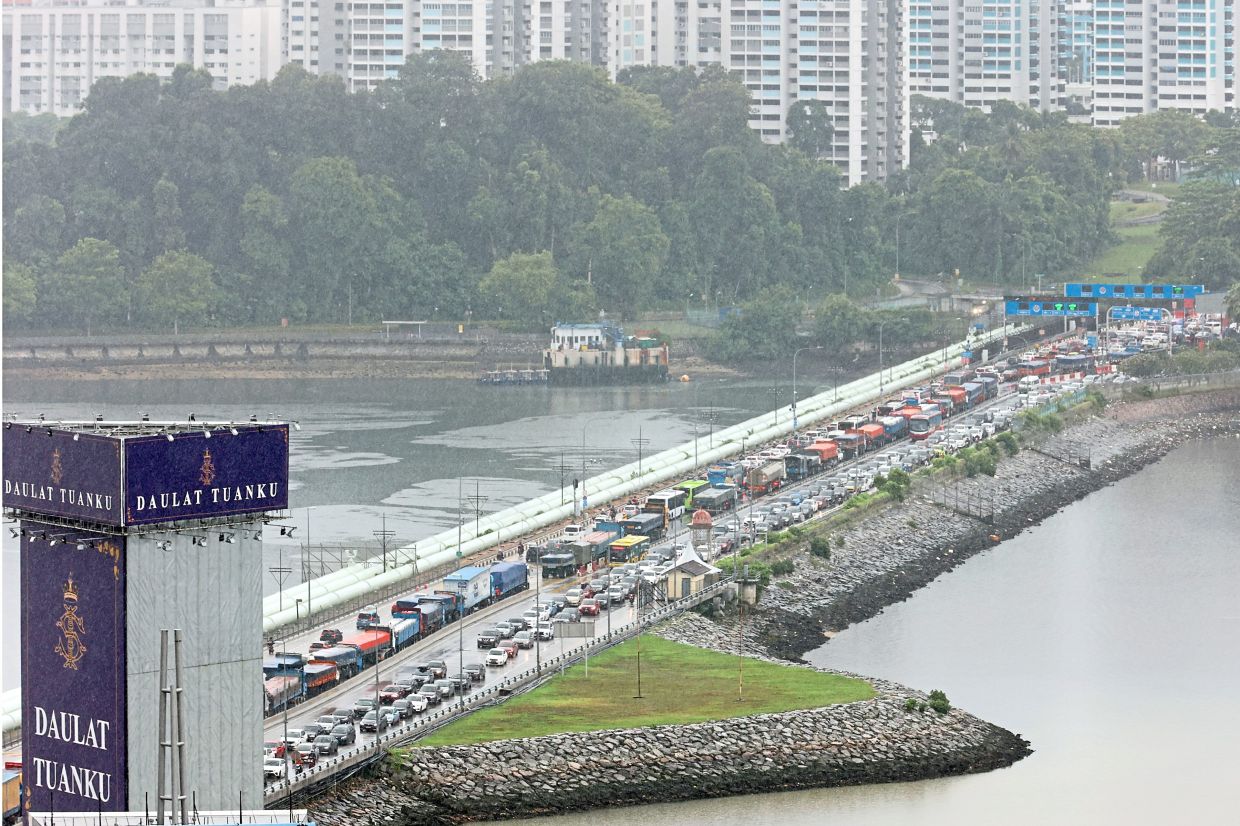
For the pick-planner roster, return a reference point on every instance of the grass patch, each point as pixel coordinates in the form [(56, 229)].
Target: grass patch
[(677, 329), (1130, 210), (1167, 188), (1125, 260), (680, 684)]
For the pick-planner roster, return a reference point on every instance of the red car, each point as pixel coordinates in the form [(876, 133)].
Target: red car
[(392, 693), (588, 608), (273, 748), (510, 646)]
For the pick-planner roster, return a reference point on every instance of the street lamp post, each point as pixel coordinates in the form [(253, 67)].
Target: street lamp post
[(288, 761), (794, 384), (882, 324)]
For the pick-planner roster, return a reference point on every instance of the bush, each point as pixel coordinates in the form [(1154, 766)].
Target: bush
[(910, 704), (1008, 441), (839, 541), (938, 702), (782, 567), (820, 546)]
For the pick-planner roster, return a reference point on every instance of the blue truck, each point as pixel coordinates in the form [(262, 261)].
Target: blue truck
[(508, 578), (430, 614), (449, 606), (894, 427), (725, 474), (402, 631), (346, 658), (471, 586)]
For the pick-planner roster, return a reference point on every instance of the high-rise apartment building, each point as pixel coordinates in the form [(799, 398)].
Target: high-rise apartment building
[(976, 52), (53, 54), (1162, 54)]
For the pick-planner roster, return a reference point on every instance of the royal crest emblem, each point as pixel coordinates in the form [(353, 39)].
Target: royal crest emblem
[(57, 471), (207, 475), (72, 628)]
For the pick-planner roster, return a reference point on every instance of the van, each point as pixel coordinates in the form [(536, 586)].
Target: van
[(1028, 383)]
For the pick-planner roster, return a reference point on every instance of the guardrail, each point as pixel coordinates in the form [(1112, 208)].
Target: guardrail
[(311, 780)]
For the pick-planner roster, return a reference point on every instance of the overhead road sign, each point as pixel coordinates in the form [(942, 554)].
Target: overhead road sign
[(1136, 313), (1155, 291), (1035, 307)]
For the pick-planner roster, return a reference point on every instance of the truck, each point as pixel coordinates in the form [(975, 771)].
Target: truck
[(974, 393), (283, 663), (802, 465), (284, 690), (12, 792), (1033, 367), (828, 451), (472, 586), (957, 378), (449, 603), (558, 566), (320, 677), (875, 434), (851, 444), (372, 644), (367, 617), (724, 474), (990, 386), (591, 549), (346, 658), (402, 631), (765, 478), (508, 578), (894, 427), (405, 607), (717, 500), (431, 615), (960, 399)]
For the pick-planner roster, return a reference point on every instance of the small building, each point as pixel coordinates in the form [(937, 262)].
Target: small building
[(690, 575)]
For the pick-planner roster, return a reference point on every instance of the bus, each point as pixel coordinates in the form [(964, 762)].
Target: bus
[(920, 427), (628, 549), (670, 503), (691, 487), (650, 525)]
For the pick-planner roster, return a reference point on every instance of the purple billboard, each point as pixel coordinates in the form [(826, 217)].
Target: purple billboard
[(75, 475), (74, 722), (192, 476)]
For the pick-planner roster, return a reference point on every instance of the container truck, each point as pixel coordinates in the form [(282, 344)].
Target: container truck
[(765, 478), (402, 630), (874, 433), (373, 644), (346, 658), (448, 602), (284, 690), (724, 474), (716, 500), (894, 427), (974, 394), (508, 578), (827, 450), (471, 585), (320, 677), (802, 464)]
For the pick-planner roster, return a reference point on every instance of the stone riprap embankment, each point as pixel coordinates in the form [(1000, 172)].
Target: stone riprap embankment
[(871, 741), (884, 557)]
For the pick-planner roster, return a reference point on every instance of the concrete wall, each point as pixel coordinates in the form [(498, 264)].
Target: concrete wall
[(216, 591)]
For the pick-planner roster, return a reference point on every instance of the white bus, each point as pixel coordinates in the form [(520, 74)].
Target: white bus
[(669, 502)]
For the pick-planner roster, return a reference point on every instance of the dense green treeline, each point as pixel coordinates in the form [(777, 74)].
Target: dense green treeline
[(554, 193)]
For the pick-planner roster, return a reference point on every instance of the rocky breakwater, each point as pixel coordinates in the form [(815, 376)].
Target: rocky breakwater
[(883, 557), (870, 741)]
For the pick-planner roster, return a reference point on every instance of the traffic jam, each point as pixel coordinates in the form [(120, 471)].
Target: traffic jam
[(440, 643)]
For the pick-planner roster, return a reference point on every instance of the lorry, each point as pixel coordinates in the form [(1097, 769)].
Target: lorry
[(283, 690), (346, 659), (320, 676), (471, 585), (765, 478), (716, 500), (874, 434), (851, 444), (974, 393), (957, 378), (449, 603), (802, 465), (368, 617), (894, 427), (724, 474), (828, 451), (402, 631), (990, 386), (591, 549), (508, 578), (372, 644)]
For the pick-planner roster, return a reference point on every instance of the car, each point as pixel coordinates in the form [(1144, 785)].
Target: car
[(310, 731), (545, 632), (531, 616), (326, 744), (452, 685), (362, 705), (560, 601), (274, 767), (391, 717), (438, 668), (344, 734), (430, 694), (443, 686), (510, 646), (404, 708), (327, 721), (573, 596), (518, 623), (497, 657), (617, 594), (524, 639), (589, 607), (319, 646), (374, 722), (293, 736), (505, 630), (569, 615), (391, 693), (476, 671), (331, 636), (273, 748), (416, 701), (488, 637), (341, 714), (411, 681), (305, 755)]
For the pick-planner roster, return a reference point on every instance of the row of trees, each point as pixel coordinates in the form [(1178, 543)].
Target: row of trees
[(551, 193)]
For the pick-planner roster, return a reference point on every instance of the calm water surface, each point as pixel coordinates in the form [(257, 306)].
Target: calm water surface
[(1108, 636)]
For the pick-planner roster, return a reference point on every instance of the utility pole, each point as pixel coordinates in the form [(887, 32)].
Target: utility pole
[(383, 536), (279, 573), (639, 443), (563, 468), (477, 499)]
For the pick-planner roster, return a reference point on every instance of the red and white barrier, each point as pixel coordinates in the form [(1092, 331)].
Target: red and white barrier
[(1066, 377)]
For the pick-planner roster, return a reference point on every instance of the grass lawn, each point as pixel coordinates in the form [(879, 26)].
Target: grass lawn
[(680, 684), (1162, 187), (1129, 210), (1128, 258)]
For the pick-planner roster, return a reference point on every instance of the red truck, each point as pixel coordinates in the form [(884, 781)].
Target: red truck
[(827, 450)]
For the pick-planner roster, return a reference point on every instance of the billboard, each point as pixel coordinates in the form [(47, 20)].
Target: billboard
[(1163, 291), (1048, 307), (145, 479), (60, 475), (193, 477), (74, 723)]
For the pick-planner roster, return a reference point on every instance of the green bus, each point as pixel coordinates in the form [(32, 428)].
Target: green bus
[(690, 487)]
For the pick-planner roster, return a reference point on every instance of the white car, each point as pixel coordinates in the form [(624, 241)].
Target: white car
[(417, 702), (274, 767), (294, 736), (497, 657)]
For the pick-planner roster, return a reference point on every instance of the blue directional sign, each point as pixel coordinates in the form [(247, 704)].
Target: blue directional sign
[(1151, 291), (1049, 307), (1135, 313)]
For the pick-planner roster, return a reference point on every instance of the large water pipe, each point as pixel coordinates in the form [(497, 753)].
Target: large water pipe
[(348, 584)]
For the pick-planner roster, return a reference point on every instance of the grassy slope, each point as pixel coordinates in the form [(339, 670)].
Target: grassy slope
[(680, 684), (1136, 247)]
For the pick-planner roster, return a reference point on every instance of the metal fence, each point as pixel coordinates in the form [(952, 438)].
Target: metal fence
[(329, 771)]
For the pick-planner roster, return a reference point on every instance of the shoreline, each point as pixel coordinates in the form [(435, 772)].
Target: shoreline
[(884, 558)]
